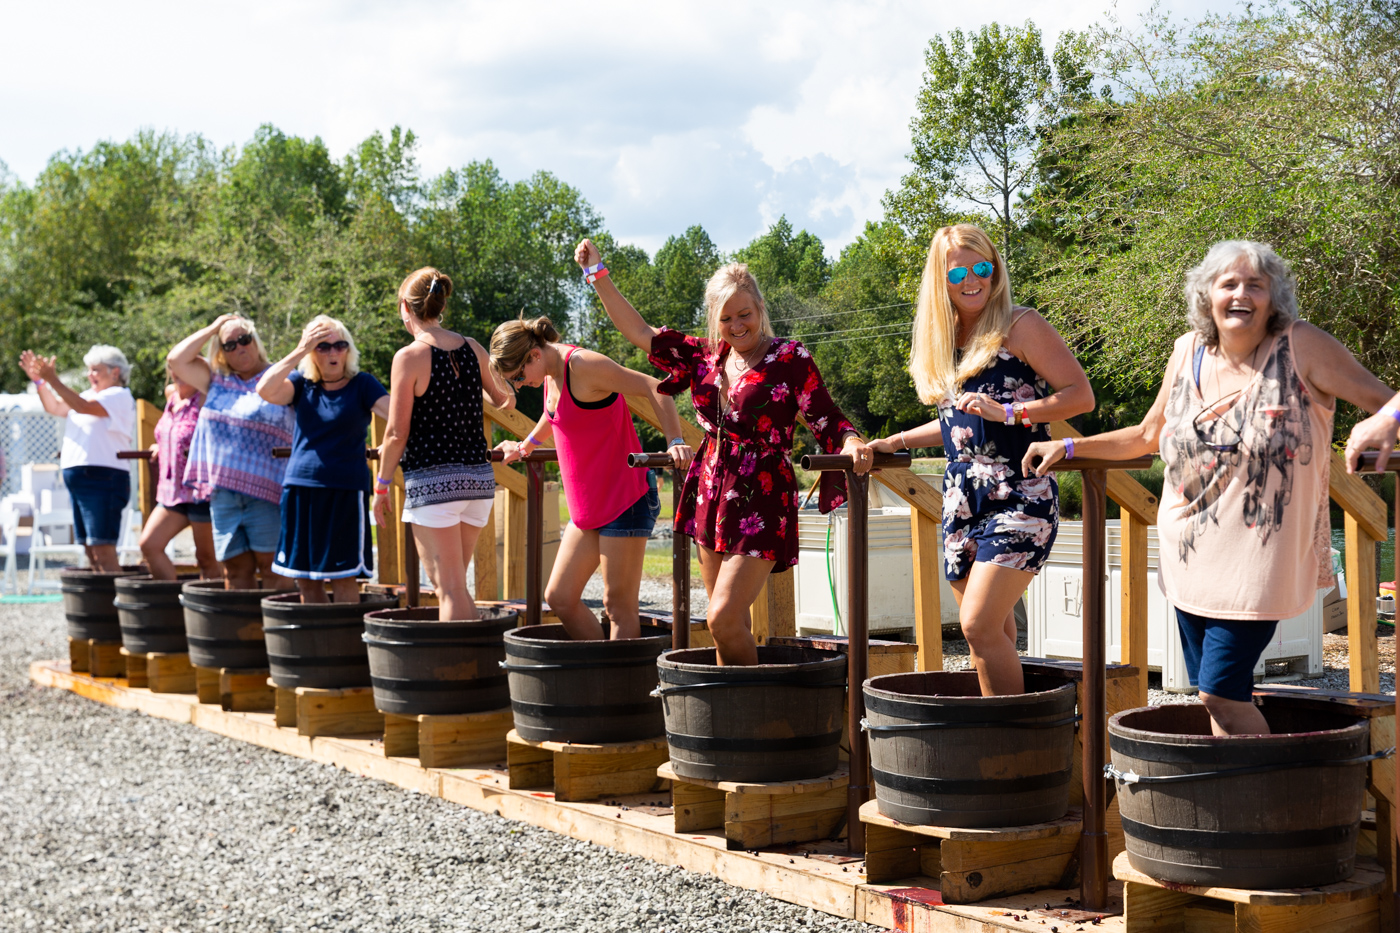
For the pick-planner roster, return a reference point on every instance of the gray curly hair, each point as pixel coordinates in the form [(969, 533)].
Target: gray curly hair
[(1220, 258), (107, 355)]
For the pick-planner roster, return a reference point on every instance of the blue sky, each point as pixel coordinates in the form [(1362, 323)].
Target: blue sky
[(663, 114)]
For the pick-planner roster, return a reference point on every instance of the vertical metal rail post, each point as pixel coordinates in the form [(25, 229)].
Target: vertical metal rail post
[(534, 539), (857, 626), (680, 550)]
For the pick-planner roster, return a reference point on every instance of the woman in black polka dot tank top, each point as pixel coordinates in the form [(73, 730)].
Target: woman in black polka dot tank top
[(434, 433)]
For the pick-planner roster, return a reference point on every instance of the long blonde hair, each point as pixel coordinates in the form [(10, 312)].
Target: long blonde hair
[(931, 362), (727, 282)]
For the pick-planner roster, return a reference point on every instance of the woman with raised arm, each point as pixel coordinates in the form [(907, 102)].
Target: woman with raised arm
[(325, 500), (435, 432), (231, 453), (97, 425), (178, 506), (739, 501), (1243, 421), (612, 509), (998, 374)]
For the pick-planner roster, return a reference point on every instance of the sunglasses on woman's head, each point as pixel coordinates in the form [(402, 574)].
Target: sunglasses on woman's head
[(242, 340), (983, 270), (325, 347)]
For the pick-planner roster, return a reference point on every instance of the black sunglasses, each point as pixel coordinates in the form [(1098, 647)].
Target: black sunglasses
[(242, 340), (324, 347)]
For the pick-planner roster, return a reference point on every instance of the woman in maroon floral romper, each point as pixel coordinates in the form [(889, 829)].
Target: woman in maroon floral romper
[(739, 500)]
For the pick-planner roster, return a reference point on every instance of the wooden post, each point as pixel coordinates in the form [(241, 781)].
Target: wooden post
[(1361, 609), (484, 559), (515, 545), (534, 541), (774, 613), (857, 652), (389, 559), (924, 532), (1133, 622), (146, 417), (1093, 854)]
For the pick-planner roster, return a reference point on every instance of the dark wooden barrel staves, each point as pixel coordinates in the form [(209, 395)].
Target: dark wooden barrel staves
[(87, 603), (778, 720), (420, 666), (224, 627), (152, 619), (319, 644), (562, 690), (942, 754), (1288, 817)]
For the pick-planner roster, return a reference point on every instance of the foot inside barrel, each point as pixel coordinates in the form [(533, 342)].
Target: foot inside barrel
[(757, 815), (578, 771)]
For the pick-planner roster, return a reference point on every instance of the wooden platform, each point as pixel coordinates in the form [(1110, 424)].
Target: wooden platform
[(820, 876), (756, 816), (579, 771), (1350, 906), (99, 658), (973, 864), (325, 711), (449, 741)]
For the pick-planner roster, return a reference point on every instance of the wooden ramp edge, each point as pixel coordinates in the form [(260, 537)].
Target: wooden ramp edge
[(808, 875)]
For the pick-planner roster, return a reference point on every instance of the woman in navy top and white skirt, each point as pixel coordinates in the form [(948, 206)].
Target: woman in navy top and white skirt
[(325, 496)]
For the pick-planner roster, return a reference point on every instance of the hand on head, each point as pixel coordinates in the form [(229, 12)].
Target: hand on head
[(314, 335)]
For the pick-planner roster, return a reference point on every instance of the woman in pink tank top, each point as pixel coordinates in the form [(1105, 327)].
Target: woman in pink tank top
[(1243, 421), (612, 507)]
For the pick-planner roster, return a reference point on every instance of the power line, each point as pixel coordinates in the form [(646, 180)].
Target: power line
[(834, 340), (853, 330), (808, 317)]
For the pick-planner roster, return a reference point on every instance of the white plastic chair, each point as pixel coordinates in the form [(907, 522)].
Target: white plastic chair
[(41, 545), (9, 549), (129, 544)]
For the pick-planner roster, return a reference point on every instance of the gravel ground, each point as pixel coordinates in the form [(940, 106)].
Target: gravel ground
[(115, 821)]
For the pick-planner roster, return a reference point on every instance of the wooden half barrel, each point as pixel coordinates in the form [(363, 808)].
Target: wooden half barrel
[(224, 627), (319, 644), (777, 720), (87, 603), (1241, 811), (941, 754), (152, 619), (420, 666), (562, 690)]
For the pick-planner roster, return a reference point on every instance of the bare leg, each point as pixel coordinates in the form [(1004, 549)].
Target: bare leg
[(578, 558), (209, 566), (241, 572), (444, 553), (163, 525), (734, 582), (622, 579), (986, 597), (345, 590), (1234, 717), (270, 580), (312, 591), (103, 557)]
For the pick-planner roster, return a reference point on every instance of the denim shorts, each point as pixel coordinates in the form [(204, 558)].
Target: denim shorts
[(196, 513), (243, 523), (99, 494), (1220, 654), (640, 517)]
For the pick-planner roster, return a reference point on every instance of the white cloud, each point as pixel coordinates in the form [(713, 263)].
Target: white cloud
[(724, 114)]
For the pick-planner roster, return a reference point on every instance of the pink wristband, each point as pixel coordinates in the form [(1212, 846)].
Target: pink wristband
[(1390, 410), (1069, 448)]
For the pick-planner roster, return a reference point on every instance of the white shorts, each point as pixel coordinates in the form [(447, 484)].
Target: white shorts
[(446, 514)]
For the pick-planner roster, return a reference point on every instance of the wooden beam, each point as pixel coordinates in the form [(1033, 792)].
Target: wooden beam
[(146, 417), (1361, 607), (484, 585), (774, 613), (1133, 622), (390, 557), (913, 489), (924, 533), (508, 418), (641, 407), (1130, 495), (1356, 499), (514, 571)]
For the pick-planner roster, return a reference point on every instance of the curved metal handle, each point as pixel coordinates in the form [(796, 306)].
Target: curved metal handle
[(683, 688), (1132, 777), (1009, 724)]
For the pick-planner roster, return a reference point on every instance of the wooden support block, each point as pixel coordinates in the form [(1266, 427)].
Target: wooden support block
[(586, 771), (105, 658), (77, 655), (244, 691), (758, 815), (890, 854), (400, 736), (449, 741), (135, 668), (206, 684), (348, 711), (169, 673), (284, 705)]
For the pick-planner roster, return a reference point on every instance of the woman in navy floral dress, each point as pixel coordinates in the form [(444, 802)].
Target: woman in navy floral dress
[(739, 500), (998, 374)]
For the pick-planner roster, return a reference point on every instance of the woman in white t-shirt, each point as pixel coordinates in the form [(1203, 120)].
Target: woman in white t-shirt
[(99, 423)]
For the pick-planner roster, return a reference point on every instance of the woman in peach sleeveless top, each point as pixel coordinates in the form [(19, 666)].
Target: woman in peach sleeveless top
[(1243, 421)]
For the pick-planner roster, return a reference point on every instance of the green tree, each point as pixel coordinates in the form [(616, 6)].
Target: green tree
[(783, 259)]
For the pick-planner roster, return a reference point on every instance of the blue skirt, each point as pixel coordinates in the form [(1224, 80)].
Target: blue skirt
[(325, 534)]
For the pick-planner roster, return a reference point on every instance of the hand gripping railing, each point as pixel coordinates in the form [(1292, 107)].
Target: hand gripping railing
[(680, 549)]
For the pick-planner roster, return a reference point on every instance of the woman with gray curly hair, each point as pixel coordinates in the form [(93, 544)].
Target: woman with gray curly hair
[(1243, 421), (99, 423)]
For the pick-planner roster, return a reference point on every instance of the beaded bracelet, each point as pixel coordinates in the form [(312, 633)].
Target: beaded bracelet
[(1390, 410)]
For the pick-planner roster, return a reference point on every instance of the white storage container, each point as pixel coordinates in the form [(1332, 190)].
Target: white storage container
[(1055, 626)]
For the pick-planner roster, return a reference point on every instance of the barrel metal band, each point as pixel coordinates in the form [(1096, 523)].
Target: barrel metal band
[(1005, 724), (548, 711), (208, 642), (551, 650), (297, 627), (976, 786), (140, 607), (1132, 777), (424, 686), (684, 688), (381, 641), (1240, 755), (344, 660), (577, 665), (1198, 839), (237, 612), (710, 743)]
